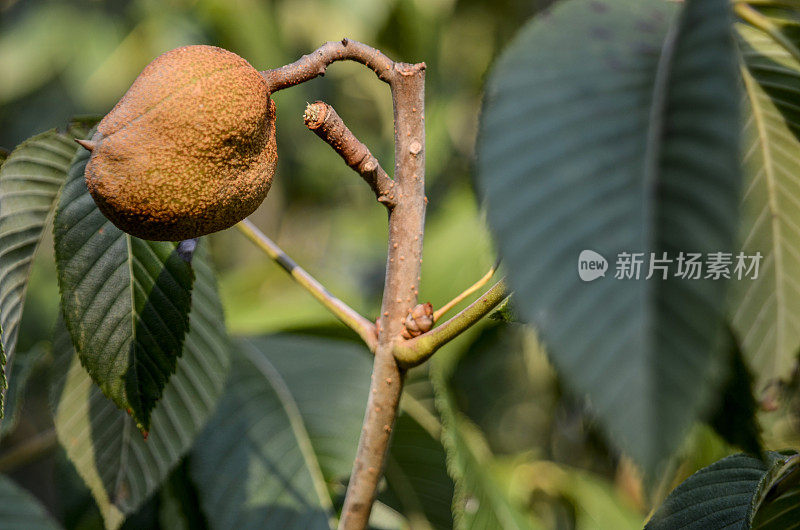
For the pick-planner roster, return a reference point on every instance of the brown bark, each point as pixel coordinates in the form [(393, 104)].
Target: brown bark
[(406, 226), (328, 125), (315, 63)]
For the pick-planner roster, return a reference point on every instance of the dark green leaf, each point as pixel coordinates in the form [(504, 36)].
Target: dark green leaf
[(24, 364), (495, 386), (329, 383), (29, 182), (290, 419), (19, 510), (125, 300), (418, 485), (81, 126), (613, 127), (779, 508), (734, 417), (178, 507), (119, 466), (722, 495)]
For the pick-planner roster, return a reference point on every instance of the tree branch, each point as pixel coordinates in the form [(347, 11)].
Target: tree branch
[(328, 125), (315, 63), (350, 317), (406, 226), (413, 352)]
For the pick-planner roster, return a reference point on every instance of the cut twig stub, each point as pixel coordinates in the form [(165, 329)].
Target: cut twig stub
[(326, 123)]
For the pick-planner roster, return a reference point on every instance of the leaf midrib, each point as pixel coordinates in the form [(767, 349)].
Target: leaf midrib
[(126, 424), (296, 422), (656, 130)]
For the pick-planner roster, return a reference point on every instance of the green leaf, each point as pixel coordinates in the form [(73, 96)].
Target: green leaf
[(125, 300), (505, 312), (119, 466), (598, 504), (725, 494), (613, 127), (498, 385), (178, 506), (383, 517), (290, 419), (478, 502), (418, 485), (779, 507), (29, 182), (595, 502), (734, 417), (766, 312), (19, 510), (81, 126), (326, 381), (329, 383), (24, 365)]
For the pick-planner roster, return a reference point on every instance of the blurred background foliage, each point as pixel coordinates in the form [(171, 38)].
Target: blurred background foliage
[(62, 58), (78, 57)]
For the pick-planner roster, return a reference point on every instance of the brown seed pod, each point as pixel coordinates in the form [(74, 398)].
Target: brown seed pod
[(190, 148)]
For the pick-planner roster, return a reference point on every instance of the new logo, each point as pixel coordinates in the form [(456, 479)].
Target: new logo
[(591, 265)]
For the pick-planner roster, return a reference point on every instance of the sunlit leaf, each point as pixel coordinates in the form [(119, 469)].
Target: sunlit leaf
[(383, 517), (596, 502), (766, 312)]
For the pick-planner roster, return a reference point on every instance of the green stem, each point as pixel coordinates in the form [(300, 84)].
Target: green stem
[(416, 351), (350, 317), (464, 294)]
